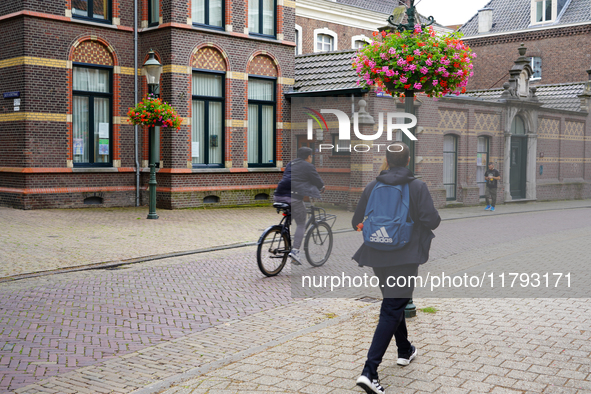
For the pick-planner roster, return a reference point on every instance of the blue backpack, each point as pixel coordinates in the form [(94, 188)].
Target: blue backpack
[(388, 225)]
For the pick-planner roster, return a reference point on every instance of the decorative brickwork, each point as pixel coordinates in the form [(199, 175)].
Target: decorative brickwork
[(574, 131), (262, 65), (487, 122), (452, 120), (548, 128), (92, 52), (209, 58)]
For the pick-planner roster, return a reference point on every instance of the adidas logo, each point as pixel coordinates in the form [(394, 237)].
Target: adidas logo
[(380, 236)]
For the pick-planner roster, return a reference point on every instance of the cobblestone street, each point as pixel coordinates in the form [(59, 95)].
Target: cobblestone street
[(212, 323)]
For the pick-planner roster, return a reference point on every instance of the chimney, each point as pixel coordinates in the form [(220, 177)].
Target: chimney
[(485, 20)]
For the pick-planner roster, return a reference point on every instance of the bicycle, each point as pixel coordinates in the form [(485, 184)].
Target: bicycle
[(274, 244)]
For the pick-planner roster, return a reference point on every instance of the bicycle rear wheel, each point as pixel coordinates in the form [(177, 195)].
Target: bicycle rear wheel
[(272, 251), (318, 244)]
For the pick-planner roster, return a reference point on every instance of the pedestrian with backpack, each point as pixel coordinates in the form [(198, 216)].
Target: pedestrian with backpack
[(399, 218)]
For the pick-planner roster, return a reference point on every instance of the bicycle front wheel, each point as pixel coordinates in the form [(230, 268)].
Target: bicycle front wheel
[(272, 251), (318, 244)]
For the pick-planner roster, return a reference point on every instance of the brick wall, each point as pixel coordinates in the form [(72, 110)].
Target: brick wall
[(565, 54)]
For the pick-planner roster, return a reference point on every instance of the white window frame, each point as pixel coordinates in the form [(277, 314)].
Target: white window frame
[(534, 7), (531, 64), (360, 37), (328, 32), (299, 39)]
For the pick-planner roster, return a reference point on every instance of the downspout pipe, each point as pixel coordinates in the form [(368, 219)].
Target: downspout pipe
[(135, 100)]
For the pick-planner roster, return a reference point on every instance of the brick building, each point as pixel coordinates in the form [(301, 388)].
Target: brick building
[(68, 71), (557, 34), (538, 137)]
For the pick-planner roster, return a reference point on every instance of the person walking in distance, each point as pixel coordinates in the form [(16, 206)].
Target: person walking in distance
[(420, 215), (492, 176), (300, 180)]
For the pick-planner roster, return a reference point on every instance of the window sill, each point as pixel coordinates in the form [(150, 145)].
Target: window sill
[(108, 25), (222, 170), (95, 169)]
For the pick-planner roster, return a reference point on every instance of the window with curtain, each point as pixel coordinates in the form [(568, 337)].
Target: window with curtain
[(91, 117), (543, 10), (153, 12), (324, 43), (261, 124), (208, 12), (261, 17), (207, 128), (97, 10), (450, 163), (482, 159), (359, 44)]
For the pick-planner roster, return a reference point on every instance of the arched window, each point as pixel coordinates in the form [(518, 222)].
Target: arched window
[(207, 108), (325, 40), (450, 166), (518, 126), (92, 101)]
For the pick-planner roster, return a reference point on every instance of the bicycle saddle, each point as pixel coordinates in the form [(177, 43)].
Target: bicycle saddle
[(280, 205)]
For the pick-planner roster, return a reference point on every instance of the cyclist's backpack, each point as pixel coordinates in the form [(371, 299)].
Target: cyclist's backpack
[(388, 225)]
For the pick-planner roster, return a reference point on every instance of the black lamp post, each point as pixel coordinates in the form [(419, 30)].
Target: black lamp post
[(152, 71), (409, 104)]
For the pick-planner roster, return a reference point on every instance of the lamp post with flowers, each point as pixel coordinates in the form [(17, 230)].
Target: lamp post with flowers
[(152, 112), (407, 58)]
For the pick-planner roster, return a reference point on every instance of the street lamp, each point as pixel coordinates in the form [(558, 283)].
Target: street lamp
[(152, 70), (409, 104)]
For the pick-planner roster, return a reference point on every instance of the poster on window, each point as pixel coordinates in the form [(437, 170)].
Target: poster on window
[(78, 146), (195, 149), (103, 146), (103, 130)]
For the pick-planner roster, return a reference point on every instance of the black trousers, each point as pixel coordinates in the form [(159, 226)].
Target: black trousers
[(392, 322)]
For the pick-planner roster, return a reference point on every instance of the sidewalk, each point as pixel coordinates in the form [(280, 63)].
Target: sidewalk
[(59, 239)]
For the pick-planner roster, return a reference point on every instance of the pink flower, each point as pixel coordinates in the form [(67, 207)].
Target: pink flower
[(390, 73), (446, 74), (385, 69), (418, 85), (429, 62), (403, 79), (474, 55), (401, 62), (417, 52), (418, 28), (413, 67), (372, 64), (391, 51), (384, 56), (471, 73), (424, 70), (441, 69), (435, 82), (405, 68)]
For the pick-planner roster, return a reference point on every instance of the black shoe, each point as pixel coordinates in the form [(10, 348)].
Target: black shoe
[(406, 359), (370, 386)]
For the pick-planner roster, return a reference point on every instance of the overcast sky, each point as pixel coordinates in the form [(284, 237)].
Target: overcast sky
[(450, 12)]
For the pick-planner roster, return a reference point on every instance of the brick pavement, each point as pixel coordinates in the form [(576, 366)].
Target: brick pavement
[(179, 319), (56, 239)]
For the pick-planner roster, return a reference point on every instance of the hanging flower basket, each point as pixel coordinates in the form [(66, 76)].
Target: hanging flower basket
[(434, 63), (152, 111)]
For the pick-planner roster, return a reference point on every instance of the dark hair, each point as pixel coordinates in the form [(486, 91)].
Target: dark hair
[(304, 152), (397, 154), (491, 163)]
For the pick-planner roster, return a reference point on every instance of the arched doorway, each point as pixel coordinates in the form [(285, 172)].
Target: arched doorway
[(518, 159)]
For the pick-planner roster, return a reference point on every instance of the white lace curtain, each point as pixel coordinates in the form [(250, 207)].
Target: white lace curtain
[(209, 85)]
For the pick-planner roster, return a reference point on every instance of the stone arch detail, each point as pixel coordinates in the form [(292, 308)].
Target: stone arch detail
[(209, 58), (263, 65), (93, 52)]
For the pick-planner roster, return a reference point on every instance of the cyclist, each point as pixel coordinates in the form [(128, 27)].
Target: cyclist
[(300, 180)]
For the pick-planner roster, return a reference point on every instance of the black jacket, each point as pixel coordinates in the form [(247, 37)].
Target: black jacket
[(422, 212), (302, 178)]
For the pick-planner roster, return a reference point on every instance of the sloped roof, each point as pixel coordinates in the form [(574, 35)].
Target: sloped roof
[(326, 71), (562, 96), (383, 6), (510, 15)]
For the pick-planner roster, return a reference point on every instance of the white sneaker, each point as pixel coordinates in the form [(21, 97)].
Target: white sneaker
[(370, 387), (295, 257), (405, 360)]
